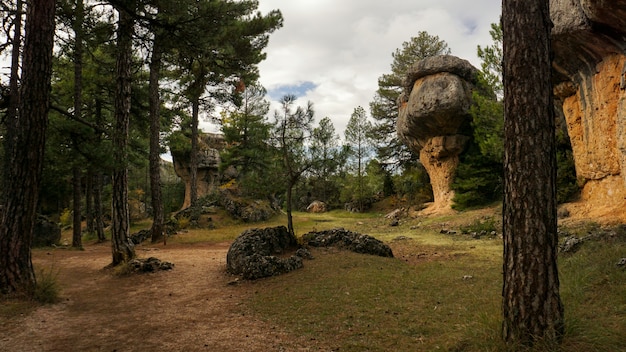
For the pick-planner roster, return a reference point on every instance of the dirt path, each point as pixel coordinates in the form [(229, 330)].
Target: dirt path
[(191, 308)]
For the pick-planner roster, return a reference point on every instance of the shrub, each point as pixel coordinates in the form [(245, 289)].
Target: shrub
[(46, 289), (66, 217)]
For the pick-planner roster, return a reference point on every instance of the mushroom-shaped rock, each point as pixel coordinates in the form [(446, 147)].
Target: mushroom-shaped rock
[(434, 118), (209, 147), (589, 42)]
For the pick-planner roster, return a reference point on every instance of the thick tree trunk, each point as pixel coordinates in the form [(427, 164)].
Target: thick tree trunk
[(155, 143), (532, 306), (26, 156), (122, 248), (76, 223)]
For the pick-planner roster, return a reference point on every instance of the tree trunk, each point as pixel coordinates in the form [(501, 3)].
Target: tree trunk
[(122, 248), (532, 308), (89, 201), (193, 157), (155, 145), (97, 205), (26, 156), (289, 209), (78, 111), (11, 114), (76, 224)]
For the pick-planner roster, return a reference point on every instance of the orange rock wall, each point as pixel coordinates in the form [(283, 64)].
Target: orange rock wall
[(596, 123)]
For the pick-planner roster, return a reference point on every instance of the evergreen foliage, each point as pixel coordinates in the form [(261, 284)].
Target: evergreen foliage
[(384, 108)]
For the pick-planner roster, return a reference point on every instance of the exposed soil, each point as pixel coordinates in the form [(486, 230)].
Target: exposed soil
[(190, 308)]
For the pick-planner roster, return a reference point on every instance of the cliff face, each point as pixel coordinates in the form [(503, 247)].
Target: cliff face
[(209, 146), (589, 41), (434, 119)]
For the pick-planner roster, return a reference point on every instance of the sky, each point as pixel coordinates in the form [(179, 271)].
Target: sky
[(332, 52)]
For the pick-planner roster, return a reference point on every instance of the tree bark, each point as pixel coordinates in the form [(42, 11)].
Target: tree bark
[(193, 156), (26, 156), (11, 113), (97, 204), (532, 308), (78, 112), (89, 190), (122, 248), (76, 223), (155, 143)]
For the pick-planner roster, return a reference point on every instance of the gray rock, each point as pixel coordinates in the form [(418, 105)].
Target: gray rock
[(570, 244), (585, 31), (255, 253), (149, 265), (352, 241)]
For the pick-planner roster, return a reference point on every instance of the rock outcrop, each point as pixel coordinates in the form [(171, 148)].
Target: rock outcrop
[(344, 239), (209, 146), (589, 42), (258, 253), (434, 119)]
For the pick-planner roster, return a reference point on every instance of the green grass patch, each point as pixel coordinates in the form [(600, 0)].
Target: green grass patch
[(441, 292)]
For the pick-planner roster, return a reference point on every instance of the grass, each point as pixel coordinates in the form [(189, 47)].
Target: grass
[(420, 301)]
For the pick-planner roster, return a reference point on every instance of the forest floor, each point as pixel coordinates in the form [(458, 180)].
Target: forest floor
[(190, 308), (197, 306)]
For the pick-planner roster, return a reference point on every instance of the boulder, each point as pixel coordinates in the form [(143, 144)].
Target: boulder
[(149, 265), (46, 233), (258, 253), (434, 118), (349, 240), (316, 207), (589, 67), (248, 210), (140, 236)]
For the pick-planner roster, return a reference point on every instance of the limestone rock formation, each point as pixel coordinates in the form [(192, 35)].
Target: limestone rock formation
[(434, 119), (589, 42), (209, 145), (258, 253)]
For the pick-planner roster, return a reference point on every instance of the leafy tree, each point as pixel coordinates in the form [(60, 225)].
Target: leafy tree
[(325, 149), (228, 39), (384, 108), (413, 184), (292, 129), (26, 157), (247, 134), (478, 179), (356, 133), (491, 66), (532, 308)]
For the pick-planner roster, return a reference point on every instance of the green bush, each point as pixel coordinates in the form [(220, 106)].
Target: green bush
[(66, 217), (46, 289), (486, 225)]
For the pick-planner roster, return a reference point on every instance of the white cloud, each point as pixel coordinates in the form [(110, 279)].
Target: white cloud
[(340, 48)]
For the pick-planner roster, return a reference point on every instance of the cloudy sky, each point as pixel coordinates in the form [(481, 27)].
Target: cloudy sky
[(331, 52)]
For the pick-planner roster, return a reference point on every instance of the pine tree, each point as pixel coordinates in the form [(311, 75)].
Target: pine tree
[(384, 108)]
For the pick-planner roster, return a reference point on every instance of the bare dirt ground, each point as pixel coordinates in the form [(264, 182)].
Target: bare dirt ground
[(190, 308)]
